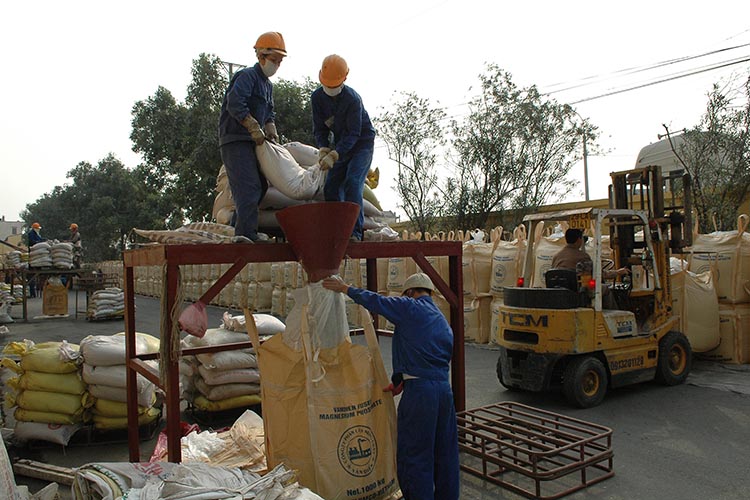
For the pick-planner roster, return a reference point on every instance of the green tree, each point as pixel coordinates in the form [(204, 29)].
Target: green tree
[(106, 201), (179, 142), (293, 110), (513, 151), (716, 153), (413, 134)]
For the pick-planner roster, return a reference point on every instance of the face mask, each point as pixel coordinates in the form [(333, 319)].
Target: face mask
[(333, 92), (269, 68)]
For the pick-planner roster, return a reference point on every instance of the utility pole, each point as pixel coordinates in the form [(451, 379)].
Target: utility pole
[(585, 167), (229, 67)]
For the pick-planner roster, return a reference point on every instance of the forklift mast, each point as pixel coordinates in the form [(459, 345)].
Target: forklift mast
[(666, 197)]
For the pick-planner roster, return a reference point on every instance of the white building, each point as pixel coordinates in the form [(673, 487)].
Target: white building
[(10, 228)]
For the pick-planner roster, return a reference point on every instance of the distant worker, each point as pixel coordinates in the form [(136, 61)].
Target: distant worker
[(75, 239), (35, 234), (247, 120), (427, 447), (338, 110), (572, 254)]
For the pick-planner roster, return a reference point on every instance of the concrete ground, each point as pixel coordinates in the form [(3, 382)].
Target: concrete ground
[(688, 442)]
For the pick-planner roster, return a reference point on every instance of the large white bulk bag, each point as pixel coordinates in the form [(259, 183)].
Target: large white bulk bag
[(694, 301), (734, 328), (478, 319), (477, 263), (284, 173), (728, 257), (507, 261), (545, 249)]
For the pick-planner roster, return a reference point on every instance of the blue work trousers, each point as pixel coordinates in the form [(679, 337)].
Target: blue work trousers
[(248, 185), (346, 182), (427, 449)]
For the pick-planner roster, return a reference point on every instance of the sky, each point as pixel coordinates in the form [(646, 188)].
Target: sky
[(73, 70)]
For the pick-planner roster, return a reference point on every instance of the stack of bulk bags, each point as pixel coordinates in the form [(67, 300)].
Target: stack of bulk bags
[(694, 301), (62, 255), (727, 255), (105, 373), (260, 287), (50, 391), (227, 379), (477, 271), (106, 303), (39, 255), (507, 265)]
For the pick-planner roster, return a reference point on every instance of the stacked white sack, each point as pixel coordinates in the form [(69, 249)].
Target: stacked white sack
[(107, 302), (227, 379), (105, 373), (39, 255), (62, 255), (13, 259)]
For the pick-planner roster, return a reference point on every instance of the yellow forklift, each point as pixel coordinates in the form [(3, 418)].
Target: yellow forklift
[(557, 335)]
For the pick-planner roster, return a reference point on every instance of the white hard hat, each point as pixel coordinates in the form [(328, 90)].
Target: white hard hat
[(418, 280)]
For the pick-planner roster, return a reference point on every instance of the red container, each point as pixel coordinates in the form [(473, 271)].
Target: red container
[(319, 234)]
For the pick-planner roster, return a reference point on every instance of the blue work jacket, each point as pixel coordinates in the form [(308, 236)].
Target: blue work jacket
[(249, 92), (343, 115)]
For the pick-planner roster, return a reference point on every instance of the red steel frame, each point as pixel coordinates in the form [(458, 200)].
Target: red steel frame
[(239, 255)]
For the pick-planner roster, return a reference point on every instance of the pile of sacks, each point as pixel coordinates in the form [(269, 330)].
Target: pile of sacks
[(106, 303), (13, 259), (39, 255), (104, 371), (50, 397), (295, 178), (6, 300), (62, 255), (228, 379)]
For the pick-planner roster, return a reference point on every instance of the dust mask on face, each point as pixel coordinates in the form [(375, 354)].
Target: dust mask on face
[(333, 91), (269, 68)]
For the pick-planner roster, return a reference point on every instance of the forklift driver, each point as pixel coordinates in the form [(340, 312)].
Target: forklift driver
[(572, 254)]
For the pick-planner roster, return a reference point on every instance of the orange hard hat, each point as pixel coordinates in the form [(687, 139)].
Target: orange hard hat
[(271, 41), (74, 226), (36, 226), (334, 71)]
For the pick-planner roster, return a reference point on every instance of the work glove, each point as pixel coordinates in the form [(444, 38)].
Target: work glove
[(396, 390), (252, 126), (327, 161), (271, 134), (322, 152)]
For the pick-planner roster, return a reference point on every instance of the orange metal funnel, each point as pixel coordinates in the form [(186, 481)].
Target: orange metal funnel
[(319, 234)]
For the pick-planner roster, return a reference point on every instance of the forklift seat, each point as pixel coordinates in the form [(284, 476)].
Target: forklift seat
[(561, 278)]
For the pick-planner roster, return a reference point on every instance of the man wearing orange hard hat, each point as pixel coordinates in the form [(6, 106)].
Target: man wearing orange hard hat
[(75, 239), (344, 135), (247, 120)]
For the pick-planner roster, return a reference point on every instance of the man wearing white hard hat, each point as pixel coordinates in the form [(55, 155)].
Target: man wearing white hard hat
[(427, 450)]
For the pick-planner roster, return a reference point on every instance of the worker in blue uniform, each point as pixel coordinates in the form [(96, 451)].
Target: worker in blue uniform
[(427, 449), (338, 111), (247, 120)]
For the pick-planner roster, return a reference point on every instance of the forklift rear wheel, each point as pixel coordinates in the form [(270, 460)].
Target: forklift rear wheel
[(585, 382), (674, 359), (500, 376)]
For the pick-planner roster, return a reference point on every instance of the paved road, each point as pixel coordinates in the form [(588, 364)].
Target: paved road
[(685, 442)]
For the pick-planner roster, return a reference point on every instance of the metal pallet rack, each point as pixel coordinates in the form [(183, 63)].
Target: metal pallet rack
[(173, 256), (535, 453)]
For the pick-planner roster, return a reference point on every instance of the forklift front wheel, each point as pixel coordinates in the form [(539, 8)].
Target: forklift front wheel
[(500, 376), (585, 382), (674, 359)]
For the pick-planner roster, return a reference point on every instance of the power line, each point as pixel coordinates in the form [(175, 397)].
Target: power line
[(649, 84), (641, 69)]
